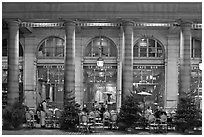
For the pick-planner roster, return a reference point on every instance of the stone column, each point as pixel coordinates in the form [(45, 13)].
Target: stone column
[(171, 65), (30, 71), (119, 69), (185, 59), (127, 77), (69, 70), (13, 62)]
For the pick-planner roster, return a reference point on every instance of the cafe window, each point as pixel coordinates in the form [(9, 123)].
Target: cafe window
[(146, 47), (51, 47), (101, 46)]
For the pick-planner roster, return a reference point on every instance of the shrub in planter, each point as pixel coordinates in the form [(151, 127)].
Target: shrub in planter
[(187, 115), (129, 113), (69, 118), (13, 116)]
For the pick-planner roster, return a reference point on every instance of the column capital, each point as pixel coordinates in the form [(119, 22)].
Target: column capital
[(13, 22), (70, 23), (185, 23), (127, 23)]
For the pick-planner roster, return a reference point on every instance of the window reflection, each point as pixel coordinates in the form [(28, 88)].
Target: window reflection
[(146, 47)]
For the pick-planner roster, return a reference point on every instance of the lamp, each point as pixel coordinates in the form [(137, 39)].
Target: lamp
[(100, 61)]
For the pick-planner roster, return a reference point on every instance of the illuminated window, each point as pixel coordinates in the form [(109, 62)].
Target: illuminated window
[(148, 48), (108, 48), (51, 47)]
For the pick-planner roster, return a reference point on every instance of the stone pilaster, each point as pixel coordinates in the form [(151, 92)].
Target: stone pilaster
[(127, 77), (185, 59), (13, 62), (30, 71), (171, 71), (78, 72), (69, 72)]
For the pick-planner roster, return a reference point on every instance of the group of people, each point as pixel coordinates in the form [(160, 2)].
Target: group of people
[(43, 111), (102, 111), (157, 113)]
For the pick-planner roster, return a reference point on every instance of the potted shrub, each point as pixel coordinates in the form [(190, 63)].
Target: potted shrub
[(187, 115), (69, 118), (129, 113), (13, 116)]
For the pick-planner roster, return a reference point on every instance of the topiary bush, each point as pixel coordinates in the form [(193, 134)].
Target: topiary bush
[(69, 119), (13, 115), (130, 113)]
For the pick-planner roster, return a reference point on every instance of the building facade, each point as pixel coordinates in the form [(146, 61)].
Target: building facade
[(56, 49)]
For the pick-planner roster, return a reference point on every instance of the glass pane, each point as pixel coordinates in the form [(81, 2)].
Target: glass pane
[(143, 51), (59, 52), (151, 43), (151, 52), (159, 50), (135, 51), (113, 49)]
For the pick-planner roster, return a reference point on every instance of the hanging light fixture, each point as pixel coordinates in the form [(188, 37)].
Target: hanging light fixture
[(100, 61)]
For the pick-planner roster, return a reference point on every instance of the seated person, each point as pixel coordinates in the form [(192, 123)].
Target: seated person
[(106, 115)]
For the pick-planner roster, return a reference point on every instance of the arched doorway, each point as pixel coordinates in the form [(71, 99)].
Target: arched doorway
[(50, 71), (149, 70), (100, 83)]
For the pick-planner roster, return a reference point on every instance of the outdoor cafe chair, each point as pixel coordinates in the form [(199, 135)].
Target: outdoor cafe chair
[(153, 125), (30, 119), (106, 119), (91, 120), (49, 120), (163, 123), (83, 123), (113, 121), (56, 118)]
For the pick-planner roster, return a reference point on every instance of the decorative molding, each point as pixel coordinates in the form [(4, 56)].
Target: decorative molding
[(104, 24)]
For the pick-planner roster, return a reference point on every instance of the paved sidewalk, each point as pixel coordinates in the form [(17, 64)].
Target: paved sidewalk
[(38, 131)]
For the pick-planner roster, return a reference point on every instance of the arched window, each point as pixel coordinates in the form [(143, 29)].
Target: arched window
[(146, 47), (101, 46), (51, 47), (5, 48), (196, 49)]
